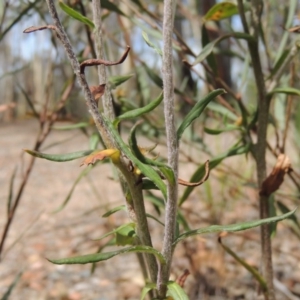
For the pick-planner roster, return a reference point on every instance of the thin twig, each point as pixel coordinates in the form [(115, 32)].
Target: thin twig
[(107, 100), (172, 144), (259, 151), (45, 130)]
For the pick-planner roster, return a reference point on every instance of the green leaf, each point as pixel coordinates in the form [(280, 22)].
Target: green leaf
[(151, 45), (94, 140), (111, 242), (165, 170), (59, 157), (284, 210), (285, 90), (113, 210), (251, 269), (11, 287), (272, 213), (72, 126), (83, 173), (176, 291), (147, 288), (112, 7), (279, 63), (223, 10), (210, 58), (225, 112), (118, 80), (145, 169), (154, 218), (232, 227), (11, 190), (91, 258), (125, 235), (218, 131), (197, 110), (75, 14), (140, 111), (168, 173), (125, 228), (148, 185), (212, 164), (208, 49)]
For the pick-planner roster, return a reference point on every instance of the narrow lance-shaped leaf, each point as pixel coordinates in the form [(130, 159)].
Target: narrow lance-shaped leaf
[(59, 157), (146, 170), (210, 57), (72, 126), (232, 227), (114, 210), (223, 10), (147, 288), (75, 14), (11, 287), (11, 191), (165, 170), (91, 258), (252, 270), (218, 131), (197, 110), (129, 227), (140, 111), (109, 5), (157, 79), (208, 49), (118, 80), (284, 209), (151, 45), (212, 164), (176, 291), (83, 173), (285, 90)]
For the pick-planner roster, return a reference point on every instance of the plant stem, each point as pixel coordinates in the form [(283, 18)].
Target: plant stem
[(107, 99), (260, 147), (172, 144)]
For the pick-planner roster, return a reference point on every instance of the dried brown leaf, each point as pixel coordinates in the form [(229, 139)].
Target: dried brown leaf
[(114, 154), (205, 177), (36, 28), (181, 280), (97, 91), (295, 29), (97, 62), (275, 179)]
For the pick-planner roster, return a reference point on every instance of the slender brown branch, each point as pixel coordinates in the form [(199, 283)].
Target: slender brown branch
[(259, 151), (45, 130)]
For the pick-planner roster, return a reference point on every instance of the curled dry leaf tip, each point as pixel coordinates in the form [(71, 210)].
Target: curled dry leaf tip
[(181, 280), (98, 62), (36, 28), (205, 177)]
